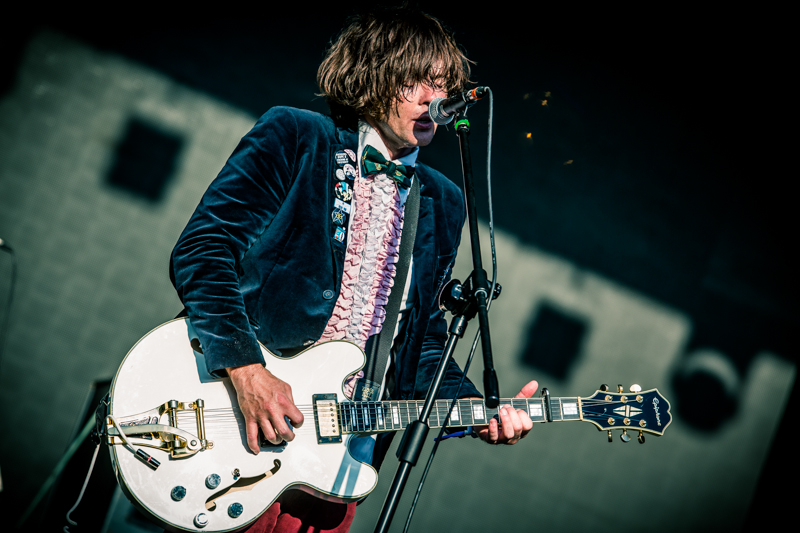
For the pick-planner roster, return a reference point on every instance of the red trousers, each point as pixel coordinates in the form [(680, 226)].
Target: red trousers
[(298, 512)]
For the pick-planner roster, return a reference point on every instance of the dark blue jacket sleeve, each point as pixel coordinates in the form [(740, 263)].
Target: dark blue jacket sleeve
[(234, 211)]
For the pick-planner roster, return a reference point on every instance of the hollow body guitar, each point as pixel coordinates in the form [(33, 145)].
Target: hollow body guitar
[(186, 462)]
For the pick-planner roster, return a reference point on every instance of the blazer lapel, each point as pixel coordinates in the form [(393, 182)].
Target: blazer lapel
[(425, 245)]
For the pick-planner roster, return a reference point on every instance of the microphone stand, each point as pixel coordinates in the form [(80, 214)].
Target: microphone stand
[(481, 285), (464, 302)]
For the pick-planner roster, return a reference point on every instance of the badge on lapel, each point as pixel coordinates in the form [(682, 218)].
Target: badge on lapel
[(341, 158), (339, 234), (338, 217), (343, 192)]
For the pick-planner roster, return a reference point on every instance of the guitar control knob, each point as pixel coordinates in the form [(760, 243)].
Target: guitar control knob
[(641, 437), (213, 481), (624, 437), (178, 493), (235, 510), (201, 520)]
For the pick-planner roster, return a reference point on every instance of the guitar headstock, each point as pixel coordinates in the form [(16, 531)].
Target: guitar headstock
[(636, 410)]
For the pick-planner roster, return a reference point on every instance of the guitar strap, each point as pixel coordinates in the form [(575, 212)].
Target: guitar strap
[(379, 346)]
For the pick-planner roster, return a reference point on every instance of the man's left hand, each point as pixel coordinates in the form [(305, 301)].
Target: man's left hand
[(514, 423)]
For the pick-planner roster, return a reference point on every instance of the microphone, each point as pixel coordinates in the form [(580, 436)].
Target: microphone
[(442, 110)]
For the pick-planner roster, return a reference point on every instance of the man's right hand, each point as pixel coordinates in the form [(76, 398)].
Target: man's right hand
[(264, 400)]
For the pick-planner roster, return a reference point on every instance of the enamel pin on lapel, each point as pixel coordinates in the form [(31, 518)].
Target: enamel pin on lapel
[(343, 192), (339, 234), (342, 158), (338, 217)]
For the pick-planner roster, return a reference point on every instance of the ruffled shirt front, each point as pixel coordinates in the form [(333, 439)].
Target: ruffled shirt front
[(372, 249)]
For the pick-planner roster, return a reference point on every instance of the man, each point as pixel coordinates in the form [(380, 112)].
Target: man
[(296, 239)]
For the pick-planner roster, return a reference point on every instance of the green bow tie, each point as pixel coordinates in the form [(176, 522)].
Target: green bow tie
[(375, 163)]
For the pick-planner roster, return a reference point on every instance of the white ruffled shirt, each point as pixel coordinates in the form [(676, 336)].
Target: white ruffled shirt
[(367, 135)]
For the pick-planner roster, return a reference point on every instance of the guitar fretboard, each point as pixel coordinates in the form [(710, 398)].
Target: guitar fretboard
[(376, 417)]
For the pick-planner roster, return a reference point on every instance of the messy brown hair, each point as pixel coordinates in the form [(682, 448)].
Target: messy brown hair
[(380, 55)]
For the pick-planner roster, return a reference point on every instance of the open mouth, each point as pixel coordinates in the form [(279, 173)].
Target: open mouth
[(424, 121)]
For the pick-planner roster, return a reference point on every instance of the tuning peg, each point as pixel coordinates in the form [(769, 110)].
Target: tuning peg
[(609, 436), (604, 388), (624, 437), (635, 388), (641, 437), (619, 388)]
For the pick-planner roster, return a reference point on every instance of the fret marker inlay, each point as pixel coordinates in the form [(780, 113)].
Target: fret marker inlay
[(535, 410)]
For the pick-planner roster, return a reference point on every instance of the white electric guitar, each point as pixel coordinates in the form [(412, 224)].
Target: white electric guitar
[(183, 456)]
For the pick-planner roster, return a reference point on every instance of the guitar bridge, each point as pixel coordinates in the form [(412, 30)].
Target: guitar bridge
[(326, 418), (145, 429)]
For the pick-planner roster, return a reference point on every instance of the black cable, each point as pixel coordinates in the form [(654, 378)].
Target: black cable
[(478, 333), (4, 327), (80, 496)]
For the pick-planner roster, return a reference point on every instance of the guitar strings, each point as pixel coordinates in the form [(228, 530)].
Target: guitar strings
[(369, 410), (553, 401), (376, 416), (382, 408), (417, 403)]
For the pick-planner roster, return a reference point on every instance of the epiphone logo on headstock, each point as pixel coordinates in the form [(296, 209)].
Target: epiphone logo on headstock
[(655, 407)]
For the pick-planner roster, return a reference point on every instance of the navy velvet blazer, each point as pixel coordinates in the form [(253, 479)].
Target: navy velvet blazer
[(258, 261)]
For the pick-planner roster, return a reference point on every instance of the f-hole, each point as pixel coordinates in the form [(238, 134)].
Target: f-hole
[(246, 483)]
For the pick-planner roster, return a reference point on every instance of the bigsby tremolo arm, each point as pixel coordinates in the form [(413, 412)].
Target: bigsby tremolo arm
[(146, 429)]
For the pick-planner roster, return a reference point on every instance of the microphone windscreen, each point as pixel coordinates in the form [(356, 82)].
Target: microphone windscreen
[(436, 113)]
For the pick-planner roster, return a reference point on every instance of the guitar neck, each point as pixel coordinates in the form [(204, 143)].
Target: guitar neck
[(378, 417)]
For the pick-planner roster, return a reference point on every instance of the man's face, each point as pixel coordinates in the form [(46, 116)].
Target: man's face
[(408, 125)]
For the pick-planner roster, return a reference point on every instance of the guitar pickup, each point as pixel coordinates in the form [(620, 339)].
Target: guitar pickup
[(326, 418)]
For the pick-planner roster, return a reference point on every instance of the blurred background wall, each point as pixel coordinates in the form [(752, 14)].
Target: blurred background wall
[(643, 231)]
